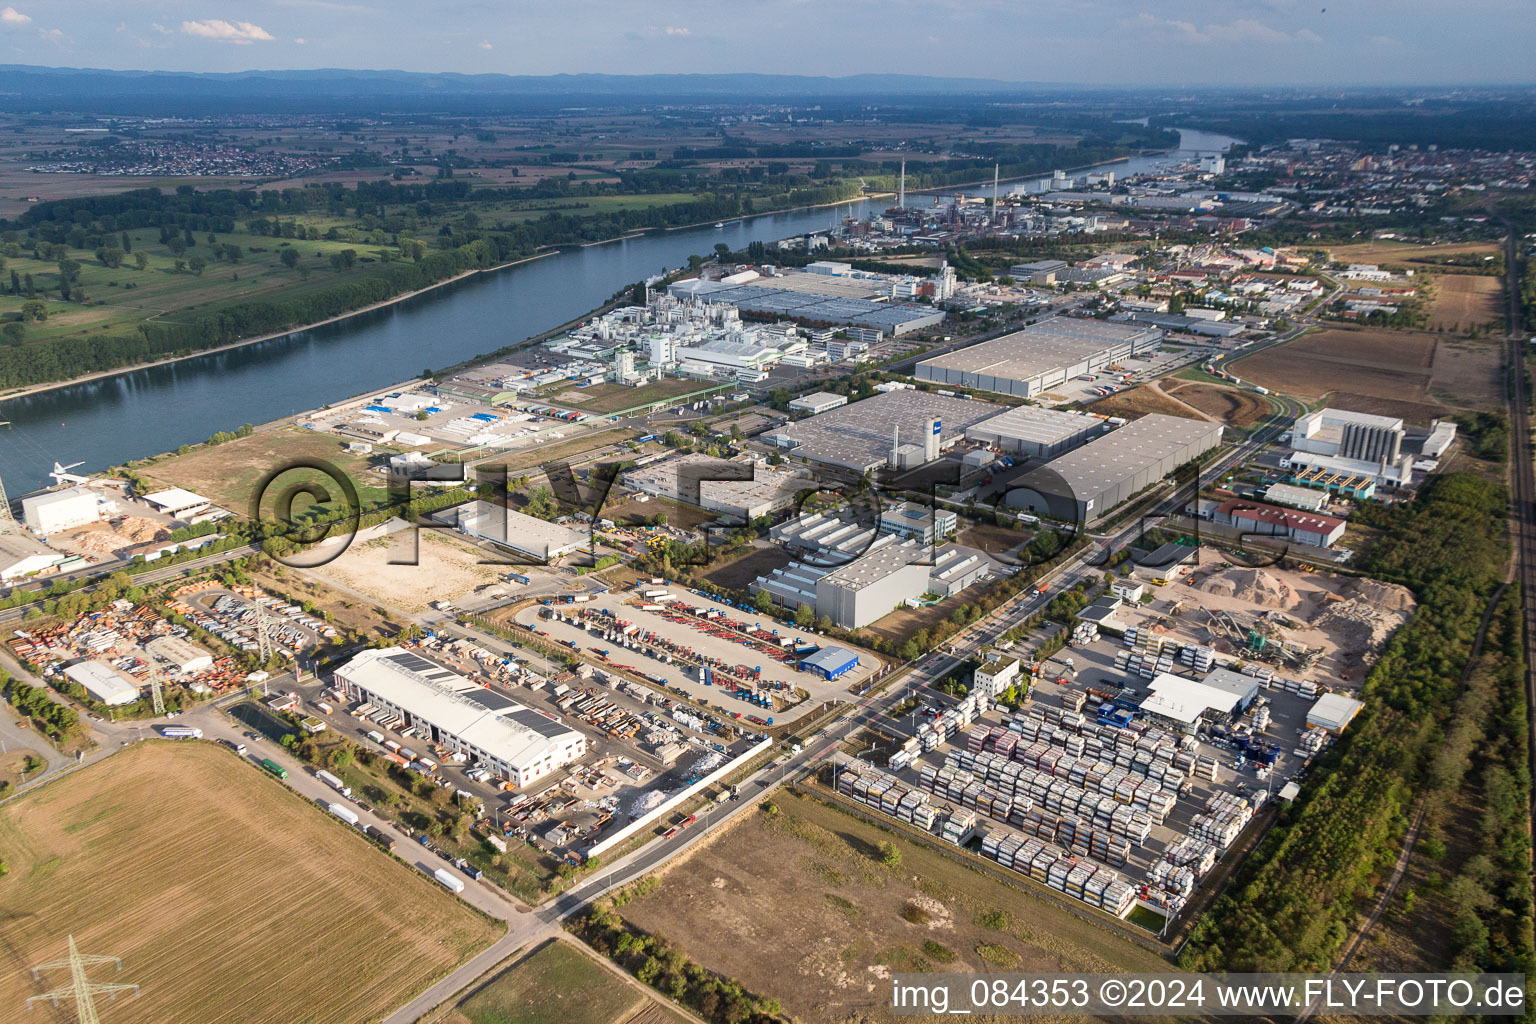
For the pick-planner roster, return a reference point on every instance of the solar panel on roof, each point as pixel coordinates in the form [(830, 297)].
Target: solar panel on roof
[(489, 699)]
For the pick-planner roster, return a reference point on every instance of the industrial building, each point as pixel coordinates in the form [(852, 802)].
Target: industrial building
[(1349, 435), (1441, 434), (1352, 485), (818, 402), (22, 556), (761, 490), (896, 428), (513, 530), (1306, 466), (1184, 324), (1035, 432), (1272, 521), (876, 580), (517, 743), (1304, 498), (830, 662), (763, 298), (60, 510), (104, 683), (918, 522), (177, 502), (1029, 362), (1334, 712), (996, 675), (182, 655), (1085, 484), (1182, 703)]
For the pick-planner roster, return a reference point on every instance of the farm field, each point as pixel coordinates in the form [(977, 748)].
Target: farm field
[(799, 906), (224, 894), (561, 983), (1386, 372), (1462, 300), (1386, 250)]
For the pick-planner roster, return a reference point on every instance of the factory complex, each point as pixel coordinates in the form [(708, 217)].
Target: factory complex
[(900, 429), (1036, 432), (825, 300), (758, 489), (1085, 484), (1030, 362), (516, 742)]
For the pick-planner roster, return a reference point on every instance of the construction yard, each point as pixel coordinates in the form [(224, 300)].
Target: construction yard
[(188, 863), (1383, 372), (1231, 406), (447, 568), (801, 904)]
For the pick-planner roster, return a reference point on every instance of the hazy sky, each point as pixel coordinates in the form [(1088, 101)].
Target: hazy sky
[(1077, 41)]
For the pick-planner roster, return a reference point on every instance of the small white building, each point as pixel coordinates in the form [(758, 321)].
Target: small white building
[(183, 655), (177, 502), (22, 556), (818, 402), (60, 510)]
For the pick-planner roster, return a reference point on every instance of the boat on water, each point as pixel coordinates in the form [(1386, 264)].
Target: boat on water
[(720, 224)]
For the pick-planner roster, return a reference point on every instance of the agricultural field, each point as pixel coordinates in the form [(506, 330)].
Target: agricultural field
[(1468, 373), (801, 906), (1386, 250), (1386, 372), (228, 473), (186, 862), (561, 983), (1465, 300)]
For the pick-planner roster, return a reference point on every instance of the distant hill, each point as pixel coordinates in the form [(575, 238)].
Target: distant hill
[(29, 87)]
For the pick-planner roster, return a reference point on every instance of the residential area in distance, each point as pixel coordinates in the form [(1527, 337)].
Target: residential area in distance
[(754, 549)]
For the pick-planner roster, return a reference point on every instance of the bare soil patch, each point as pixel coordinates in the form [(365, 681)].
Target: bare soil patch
[(447, 568), (1462, 300), (1386, 372), (738, 575), (1139, 401), (1230, 406)]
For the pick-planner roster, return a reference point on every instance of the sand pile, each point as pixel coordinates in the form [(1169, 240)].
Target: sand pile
[(103, 539), (1390, 597), (1254, 586), (1358, 626)]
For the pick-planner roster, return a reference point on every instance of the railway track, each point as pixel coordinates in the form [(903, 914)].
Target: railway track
[(1522, 478)]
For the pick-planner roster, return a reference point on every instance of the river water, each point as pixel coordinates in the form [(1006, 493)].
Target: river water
[(110, 421)]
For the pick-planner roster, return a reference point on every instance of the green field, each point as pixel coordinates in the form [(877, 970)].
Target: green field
[(561, 984)]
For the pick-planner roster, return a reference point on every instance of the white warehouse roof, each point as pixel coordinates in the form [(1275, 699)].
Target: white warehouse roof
[(175, 500), (476, 715), (103, 682), (1182, 699)]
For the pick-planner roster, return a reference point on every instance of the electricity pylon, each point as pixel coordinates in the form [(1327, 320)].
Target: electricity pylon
[(81, 988), (155, 695)]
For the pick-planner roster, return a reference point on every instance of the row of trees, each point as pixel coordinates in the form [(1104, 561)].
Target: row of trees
[(58, 721), (1290, 906)]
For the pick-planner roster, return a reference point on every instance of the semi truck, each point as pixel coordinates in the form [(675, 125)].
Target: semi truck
[(346, 814), (334, 783), (446, 877), (181, 732), (275, 768)]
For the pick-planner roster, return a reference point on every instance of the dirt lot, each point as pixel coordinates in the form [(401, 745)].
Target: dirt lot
[(1234, 408), (607, 398), (562, 983), (1462, 300), (448, 568), (739, 574), (800, 907), (993, 539), (223, 893), (1386, 372), (1139, 401), (228, 473)]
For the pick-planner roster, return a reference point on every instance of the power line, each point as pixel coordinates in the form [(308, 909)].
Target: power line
[(81, 988)]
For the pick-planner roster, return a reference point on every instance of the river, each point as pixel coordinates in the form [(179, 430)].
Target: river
[(109, 421)]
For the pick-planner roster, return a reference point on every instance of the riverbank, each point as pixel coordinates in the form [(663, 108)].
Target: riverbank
[(35, 389)]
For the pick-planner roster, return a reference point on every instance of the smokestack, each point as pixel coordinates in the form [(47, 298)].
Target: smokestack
[(895, 459), (932, 430), (901, 191), (994, 193)]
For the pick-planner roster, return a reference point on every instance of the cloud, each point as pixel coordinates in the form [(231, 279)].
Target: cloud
[(241, 33), (53, 35), (485, 44), (11, 16), (673, 30), (1243, 30), (300, 40)]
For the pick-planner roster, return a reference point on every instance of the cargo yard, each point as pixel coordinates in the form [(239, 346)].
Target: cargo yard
[(683, 641)]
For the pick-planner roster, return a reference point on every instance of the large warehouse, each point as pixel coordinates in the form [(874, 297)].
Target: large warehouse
[(103, 682), (60, 510), (523, 534), (1043, 355), (1083, 485), (762, 298), (517, 743), (761, 491), (1035, 432), (860, 438)]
